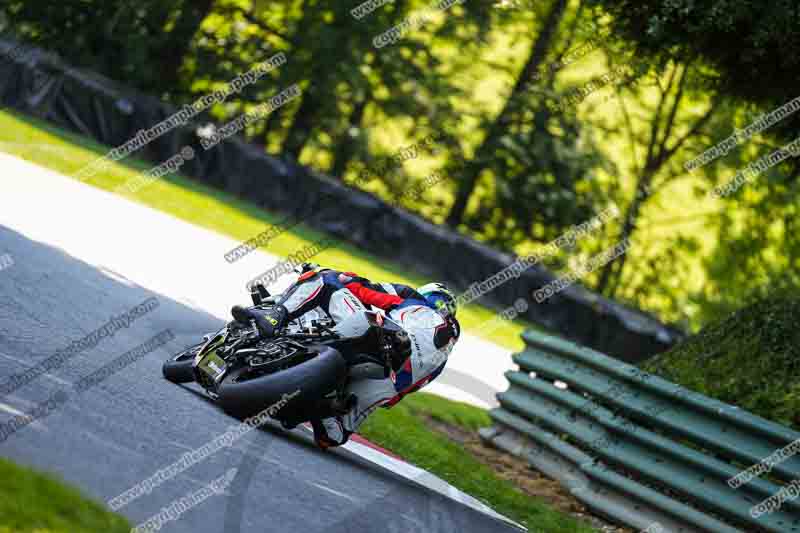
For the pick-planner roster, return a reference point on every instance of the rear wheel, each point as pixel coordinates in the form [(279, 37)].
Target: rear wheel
[(178, 369)]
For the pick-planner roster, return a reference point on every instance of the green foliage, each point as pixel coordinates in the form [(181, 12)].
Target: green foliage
[(744, 40), (119, 38), (758, 245), (543, 160), (750, 359)]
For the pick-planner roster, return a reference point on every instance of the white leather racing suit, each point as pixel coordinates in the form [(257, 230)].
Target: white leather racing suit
[(432, 339)]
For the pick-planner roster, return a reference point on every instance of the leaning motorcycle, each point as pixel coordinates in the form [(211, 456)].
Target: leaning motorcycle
[(310, 361)]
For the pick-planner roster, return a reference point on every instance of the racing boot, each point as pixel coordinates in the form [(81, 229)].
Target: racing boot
[(336, 406), (267, 322)]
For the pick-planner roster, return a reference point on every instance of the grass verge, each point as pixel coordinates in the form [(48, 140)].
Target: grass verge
[(38, 503), (402, 431), (64, 152)]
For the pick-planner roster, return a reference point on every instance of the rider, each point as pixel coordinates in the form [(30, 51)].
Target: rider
[(427, 314)]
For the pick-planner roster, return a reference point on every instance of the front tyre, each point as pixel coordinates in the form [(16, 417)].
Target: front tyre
[(178, 369), (305, 383)]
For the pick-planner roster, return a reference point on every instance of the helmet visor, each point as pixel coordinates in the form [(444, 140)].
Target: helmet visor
[(442, 303)]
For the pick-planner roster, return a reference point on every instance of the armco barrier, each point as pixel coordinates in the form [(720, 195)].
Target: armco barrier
[(637, 448)]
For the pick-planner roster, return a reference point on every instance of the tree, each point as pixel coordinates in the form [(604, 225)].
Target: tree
[(178, 41), (726, 45), (757, 251), (485, 151), (741, 39), (118, 38), (663, 141)]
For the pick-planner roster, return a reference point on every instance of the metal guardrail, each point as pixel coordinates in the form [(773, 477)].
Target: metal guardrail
[(637, 448)]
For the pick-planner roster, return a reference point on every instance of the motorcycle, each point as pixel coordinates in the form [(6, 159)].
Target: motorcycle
[(305, 367)]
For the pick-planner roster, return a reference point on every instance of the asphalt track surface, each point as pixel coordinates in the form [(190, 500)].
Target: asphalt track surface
[(122, 430), (133, 423)]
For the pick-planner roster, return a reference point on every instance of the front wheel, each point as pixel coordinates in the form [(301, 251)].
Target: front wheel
[(242, 396), (178, 369)]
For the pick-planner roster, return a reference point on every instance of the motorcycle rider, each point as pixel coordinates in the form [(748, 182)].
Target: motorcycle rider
[(426, 314)]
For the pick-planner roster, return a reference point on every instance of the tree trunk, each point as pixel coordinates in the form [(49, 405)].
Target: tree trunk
[(302, 122), (658, 155), (612, 271), (473, 168), (344, 151), (268, 129), (315, 97), (179, 40)]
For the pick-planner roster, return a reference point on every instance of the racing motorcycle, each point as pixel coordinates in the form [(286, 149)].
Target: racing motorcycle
[(245, 373)]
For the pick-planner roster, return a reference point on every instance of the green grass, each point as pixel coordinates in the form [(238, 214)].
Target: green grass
[(751, 359), (449, 412), (193, 202), (401, 430), (37, 503)]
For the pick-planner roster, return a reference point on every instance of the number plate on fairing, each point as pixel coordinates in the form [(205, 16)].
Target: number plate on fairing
[(213, 365)]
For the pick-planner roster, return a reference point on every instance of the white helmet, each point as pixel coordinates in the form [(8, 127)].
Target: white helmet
[(442, 298)]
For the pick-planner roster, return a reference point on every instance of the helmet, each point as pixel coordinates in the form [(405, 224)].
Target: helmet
[(440, 297)]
